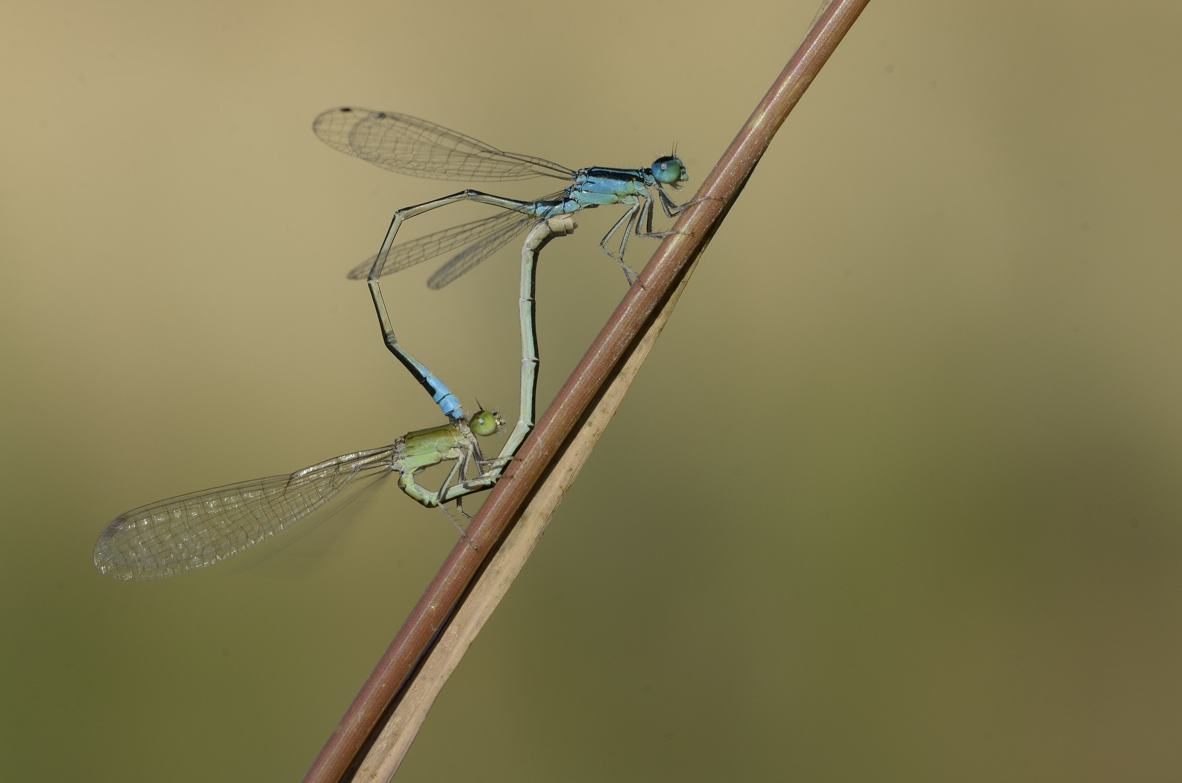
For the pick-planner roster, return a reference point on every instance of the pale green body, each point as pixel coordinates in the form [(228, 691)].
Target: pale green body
[(192, 531), (172, 536), (456, 442)]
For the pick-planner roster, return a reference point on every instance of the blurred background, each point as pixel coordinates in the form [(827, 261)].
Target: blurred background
[(896, 497)]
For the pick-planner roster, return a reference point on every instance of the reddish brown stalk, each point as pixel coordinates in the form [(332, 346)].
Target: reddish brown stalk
[(674, 257)]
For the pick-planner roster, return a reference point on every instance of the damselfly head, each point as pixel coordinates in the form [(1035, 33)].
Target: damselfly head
[(669, 170), (485, 423)]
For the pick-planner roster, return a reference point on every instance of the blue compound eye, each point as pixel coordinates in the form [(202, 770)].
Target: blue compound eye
[(669, 170)]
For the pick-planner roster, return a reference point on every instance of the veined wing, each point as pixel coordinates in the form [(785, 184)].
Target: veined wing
[(419, 148), (426, 247), (196, 530), (469, 257)]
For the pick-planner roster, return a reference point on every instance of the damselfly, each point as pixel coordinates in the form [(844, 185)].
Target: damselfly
[(197, 530), (419, 148)]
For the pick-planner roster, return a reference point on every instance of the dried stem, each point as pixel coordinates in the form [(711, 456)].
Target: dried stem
[(576, 407)]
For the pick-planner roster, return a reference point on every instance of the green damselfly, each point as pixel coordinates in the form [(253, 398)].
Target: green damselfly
[(193, 531)]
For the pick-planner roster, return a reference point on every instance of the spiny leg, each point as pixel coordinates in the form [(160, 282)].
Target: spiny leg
[(463, 533), (670, 209), (640, 214), (625, 221), (673, 209), (669, 206), (452, 481), (648, 216), (456, 474), (644, 205)]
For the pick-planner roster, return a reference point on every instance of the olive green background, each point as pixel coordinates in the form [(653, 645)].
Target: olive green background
[(898, 495)]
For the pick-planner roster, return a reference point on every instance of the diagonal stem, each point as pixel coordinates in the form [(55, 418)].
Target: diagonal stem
[(636, 314)]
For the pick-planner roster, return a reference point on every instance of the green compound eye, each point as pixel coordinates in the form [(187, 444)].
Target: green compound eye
[(484, 423), (669, 170)]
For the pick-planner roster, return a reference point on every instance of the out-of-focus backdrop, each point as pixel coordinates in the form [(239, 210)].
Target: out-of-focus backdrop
[(897, 497)]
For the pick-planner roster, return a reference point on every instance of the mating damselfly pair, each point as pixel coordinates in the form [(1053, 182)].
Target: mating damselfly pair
[(196, 530)]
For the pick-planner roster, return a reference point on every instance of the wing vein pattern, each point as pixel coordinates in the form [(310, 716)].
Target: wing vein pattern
[(196, 530)]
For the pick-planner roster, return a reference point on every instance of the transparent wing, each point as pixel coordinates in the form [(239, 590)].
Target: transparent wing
[(419, 148), (196, 530), (467, 259), (418, 250)]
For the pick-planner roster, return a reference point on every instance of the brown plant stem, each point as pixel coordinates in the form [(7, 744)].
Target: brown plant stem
[(603, 361)]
